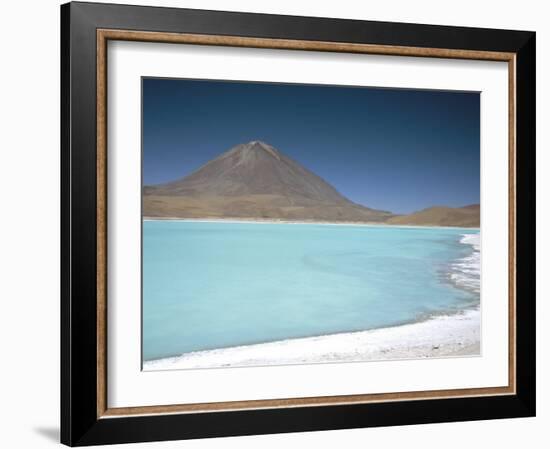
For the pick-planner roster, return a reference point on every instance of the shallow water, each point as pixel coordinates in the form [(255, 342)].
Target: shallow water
[(211, 285)]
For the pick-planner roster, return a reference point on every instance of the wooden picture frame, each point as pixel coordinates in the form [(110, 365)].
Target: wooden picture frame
[(85, 417)]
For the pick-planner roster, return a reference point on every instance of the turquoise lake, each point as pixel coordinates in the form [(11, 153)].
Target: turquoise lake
[(212, 285)]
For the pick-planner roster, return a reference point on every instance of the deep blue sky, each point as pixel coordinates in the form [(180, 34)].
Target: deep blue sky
[(392, 149)]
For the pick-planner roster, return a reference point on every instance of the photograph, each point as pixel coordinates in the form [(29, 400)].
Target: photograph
[(296, 223)]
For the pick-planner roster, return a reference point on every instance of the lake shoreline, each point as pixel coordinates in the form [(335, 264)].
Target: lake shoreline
[(302, 222), (458, 335)]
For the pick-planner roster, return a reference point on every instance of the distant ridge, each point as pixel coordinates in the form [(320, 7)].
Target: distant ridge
[(467, 216), (254, 180)]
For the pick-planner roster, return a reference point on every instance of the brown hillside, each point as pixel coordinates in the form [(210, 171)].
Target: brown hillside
[(467, 216)]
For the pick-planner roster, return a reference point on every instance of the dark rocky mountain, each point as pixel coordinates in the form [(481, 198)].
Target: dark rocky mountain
[(254, 180)]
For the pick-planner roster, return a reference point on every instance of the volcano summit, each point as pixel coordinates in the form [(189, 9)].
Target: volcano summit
[(254, 180)]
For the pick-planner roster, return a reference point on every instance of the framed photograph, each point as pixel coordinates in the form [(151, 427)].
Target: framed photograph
[(279, 224)]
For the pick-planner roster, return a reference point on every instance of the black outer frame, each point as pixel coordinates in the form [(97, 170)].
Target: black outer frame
[(79, 422)]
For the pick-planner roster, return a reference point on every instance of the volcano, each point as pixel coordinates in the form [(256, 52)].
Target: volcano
[(254, 180)]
